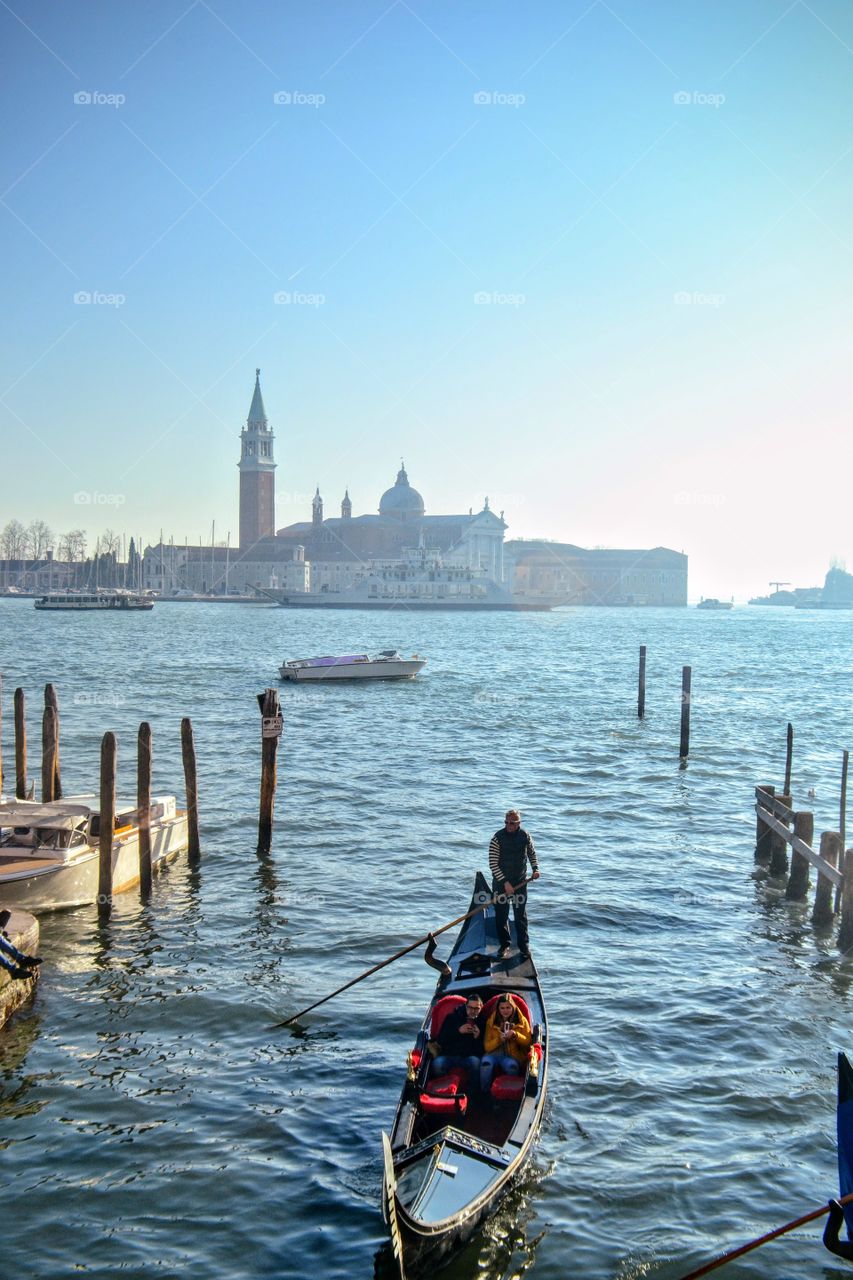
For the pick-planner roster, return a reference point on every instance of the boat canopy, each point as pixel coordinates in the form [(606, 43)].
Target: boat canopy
[(56, 817)]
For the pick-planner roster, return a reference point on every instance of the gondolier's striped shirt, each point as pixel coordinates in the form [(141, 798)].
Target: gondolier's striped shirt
[(509, 852)]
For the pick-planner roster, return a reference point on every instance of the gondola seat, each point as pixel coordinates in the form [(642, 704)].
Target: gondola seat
[(507, 1088), (455, 1106), (448, 1085)]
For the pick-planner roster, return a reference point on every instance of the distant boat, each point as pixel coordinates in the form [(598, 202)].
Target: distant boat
[(124, 601), (712, 603), (388, 664)]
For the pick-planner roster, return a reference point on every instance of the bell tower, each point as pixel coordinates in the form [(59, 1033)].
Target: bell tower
[(257, 474)]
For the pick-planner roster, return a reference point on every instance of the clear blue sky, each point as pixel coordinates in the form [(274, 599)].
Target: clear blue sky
[(655, 198)]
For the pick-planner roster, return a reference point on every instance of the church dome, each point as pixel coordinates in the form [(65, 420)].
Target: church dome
[(402, 502)]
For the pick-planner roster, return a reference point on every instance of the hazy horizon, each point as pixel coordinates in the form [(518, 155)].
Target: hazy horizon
[(590, 259)]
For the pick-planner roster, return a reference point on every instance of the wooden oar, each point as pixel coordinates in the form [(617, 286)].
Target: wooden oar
[(397, 956), (755, 1244)]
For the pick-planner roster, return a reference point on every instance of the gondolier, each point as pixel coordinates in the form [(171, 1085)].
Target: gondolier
[(510, 850)]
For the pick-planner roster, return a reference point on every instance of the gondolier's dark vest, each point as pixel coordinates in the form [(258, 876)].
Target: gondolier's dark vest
[(513, 853)]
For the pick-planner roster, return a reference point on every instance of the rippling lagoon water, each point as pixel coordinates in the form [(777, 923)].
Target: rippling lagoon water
[(152, 1123)]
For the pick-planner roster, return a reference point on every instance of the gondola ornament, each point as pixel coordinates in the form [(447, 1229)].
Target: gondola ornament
[(390, 1194)]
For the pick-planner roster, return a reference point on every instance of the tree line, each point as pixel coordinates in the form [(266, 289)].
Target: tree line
[(33, 541)]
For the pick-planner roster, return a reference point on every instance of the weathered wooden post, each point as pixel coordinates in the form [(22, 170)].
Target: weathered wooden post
[(51, 700), (845, 933), (641, 693), (143, 805), (842, 820), (49, 752), (1, 733), (798, 883), (684, 749), (271, 725), (789, 757), (107, 823), (20, 746), (762, 831), (778, 844), (191, 780), (830, 848)]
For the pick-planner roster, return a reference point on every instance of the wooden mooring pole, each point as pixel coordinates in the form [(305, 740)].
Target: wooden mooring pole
[(641, 692), (845, 933), (797, 887), (789, 757), (762, 831), (20, 746), (684, 749), (107, 823), (49, 754), (271, 725), (778, 844), (191, 779), (1, 733), (842, 817), (51, 700), (830, 848), (143, 804)]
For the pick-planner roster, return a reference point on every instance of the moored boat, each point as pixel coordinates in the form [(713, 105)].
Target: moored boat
[(454, 1153), (49, 853), (388, 664), (711, 602)]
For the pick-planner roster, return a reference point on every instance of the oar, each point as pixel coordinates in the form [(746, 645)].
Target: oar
[(755, 1244), (428, 937)]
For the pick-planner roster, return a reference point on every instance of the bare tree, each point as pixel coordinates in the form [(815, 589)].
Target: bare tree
[(72, 545), (13, 541), (110, 542), (39, 539)]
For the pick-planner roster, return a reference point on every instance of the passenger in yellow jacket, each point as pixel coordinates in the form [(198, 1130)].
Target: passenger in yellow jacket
[(506, 1042)]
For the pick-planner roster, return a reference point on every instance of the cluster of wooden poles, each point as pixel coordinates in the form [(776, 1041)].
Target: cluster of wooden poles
[(51, 785), (778, 825), (686, 679)]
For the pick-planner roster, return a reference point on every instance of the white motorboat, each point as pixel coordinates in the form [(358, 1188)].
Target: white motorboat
[(99, 601), (49, 853), (388, 664)]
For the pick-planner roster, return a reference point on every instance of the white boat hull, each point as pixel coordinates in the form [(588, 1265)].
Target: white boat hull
[(47, 884), (404, 670)]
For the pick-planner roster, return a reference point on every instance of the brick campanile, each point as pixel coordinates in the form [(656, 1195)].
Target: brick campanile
[(257, 474)]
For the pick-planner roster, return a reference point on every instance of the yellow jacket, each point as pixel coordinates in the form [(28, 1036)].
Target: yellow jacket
[(517, 1048)]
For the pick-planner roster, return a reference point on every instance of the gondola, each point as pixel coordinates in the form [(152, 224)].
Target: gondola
[(453, 1154)]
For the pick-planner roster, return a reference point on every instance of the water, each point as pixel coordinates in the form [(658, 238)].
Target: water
[(153, 1123)]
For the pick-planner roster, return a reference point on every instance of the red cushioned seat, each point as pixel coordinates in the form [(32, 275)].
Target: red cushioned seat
[(440, 1011), (518, 1001), (456, 1106), (447, 1085), (507, 1088)]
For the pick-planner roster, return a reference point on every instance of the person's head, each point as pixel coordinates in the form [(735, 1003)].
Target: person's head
[(506, 1010), (512, 819), (474, 1005)]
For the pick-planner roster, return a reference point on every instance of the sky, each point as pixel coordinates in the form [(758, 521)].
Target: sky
[(591, 259)]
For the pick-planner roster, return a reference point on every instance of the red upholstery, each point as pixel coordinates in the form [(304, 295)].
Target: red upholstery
[(440, 1012), (507, 1088), (447, 1085), (456, 1106), (518, 1001)]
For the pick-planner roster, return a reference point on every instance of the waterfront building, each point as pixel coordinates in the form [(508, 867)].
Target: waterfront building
[(257, 474), (574, 575)]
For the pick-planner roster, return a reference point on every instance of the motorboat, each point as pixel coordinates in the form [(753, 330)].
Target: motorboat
[(711, 602), (49, 853), (387, 664), (453, 1153), (124, 601)]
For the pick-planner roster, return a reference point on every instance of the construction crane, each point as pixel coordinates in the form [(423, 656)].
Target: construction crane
[(778, 585)]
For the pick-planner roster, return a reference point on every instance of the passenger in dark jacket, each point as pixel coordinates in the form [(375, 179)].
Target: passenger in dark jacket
[(460, 1039)]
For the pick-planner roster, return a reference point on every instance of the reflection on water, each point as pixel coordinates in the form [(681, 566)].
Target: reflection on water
[(694, 1013)]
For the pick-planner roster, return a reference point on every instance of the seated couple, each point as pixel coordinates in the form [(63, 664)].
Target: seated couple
[(481, 1045)]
